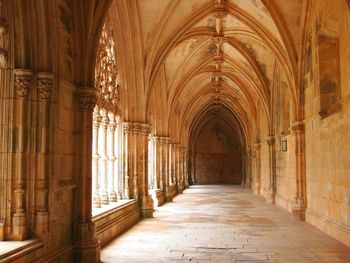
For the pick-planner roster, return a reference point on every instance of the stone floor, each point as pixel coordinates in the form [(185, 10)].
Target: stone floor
[(221, 223)]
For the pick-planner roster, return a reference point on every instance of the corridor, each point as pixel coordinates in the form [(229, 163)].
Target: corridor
[(223, 223)]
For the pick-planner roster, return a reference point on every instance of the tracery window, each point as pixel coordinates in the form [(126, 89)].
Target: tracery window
[(106, 123)]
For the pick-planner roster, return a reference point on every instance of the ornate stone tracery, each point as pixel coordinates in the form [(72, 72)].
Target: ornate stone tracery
[(106, 71)]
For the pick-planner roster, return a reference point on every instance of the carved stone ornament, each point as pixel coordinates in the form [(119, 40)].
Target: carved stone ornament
[(145, 129), (23, 79), (3, 43), (87, 99), (126, 127), (136, 128), (297, 126), (45, 85), (271, 140), (106, 71)]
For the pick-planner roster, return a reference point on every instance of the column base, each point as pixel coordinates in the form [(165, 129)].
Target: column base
[(113, 197), (270, 199), (42, 223), (86, 247), (180, 189), (147, 207), (19, 221), (298, 210), (257, 189)]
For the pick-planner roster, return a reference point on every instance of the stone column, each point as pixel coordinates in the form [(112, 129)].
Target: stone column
[(185, 163), (86, 246), (272, 161), (257, 184), (112, 195), (179, 162), (157, 165), (136, 129), (96, 200), (172, 164), (45, 85), (166, 173), (103, 157), (22, 83), (299, 202), (142, 161), (126, 130)]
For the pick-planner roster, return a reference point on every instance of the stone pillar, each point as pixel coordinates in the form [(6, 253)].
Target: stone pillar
[(23, 79), (272, 161), (136, 129), (45, 85), (185, 163), (257, 184), (96, 200), (179, 162), (112, 195), (157, 156), (86, 246), (126, 130), (166, 172), (103, 157), (299, 202), (173, 163), (142, 164)]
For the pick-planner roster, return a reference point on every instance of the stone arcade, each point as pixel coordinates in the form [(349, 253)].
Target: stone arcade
[(110, 110)]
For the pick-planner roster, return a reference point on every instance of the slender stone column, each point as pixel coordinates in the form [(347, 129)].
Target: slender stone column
[(111, 158), (157, 162), (142, 158), (185, 163), (299, 202), (86, 246), (172, 164), (166, 173), (103, 157), (22, 83), (257, 184), (179, 163), (96, 200), (160, 162), (126, 130), (45, 85), (272, 190), (136, 129)]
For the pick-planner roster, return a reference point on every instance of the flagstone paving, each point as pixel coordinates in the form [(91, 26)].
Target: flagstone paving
[(223, 223)]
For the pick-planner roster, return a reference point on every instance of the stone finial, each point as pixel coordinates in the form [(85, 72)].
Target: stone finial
[(23, 79)]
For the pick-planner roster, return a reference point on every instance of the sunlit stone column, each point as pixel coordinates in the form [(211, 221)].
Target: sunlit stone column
[(257, 184), (142, 161), (185, 164), (103, 156), (23, 83), (299, 202), (172, 164), (272, 188), (45, 86), (166, 173), (157, 162), (96, 200), (86, 246), (179, 162), (111, 157), (126, 130), (136, 129)]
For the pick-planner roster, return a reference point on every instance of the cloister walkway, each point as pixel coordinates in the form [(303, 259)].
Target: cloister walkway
[(223, 223)]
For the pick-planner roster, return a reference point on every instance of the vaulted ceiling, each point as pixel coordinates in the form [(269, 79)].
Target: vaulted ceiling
[(217, 54)]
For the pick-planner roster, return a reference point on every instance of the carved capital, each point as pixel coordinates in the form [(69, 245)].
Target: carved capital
[(136, 128), (86, 99), (145, 129), (270, 140), (23, 79), (298, 126), (126, 127), (45, 84)]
